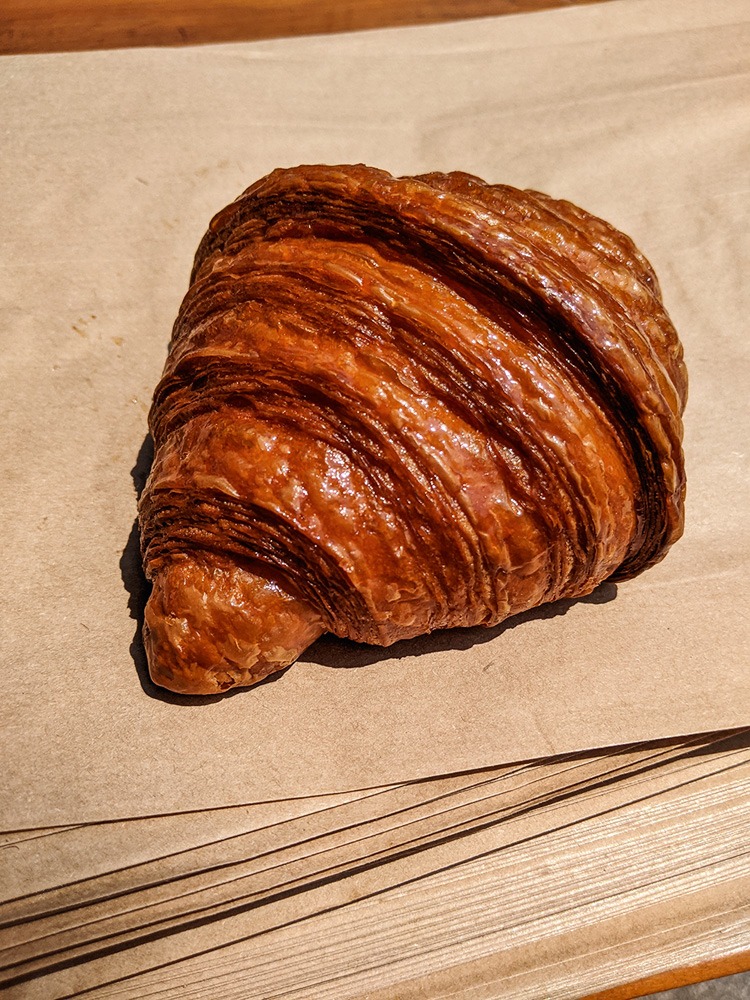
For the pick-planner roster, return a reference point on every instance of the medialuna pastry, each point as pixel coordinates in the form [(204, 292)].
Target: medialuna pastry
[(393, 405)]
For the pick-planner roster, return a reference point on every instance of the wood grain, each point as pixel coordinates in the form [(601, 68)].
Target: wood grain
[(28, 26), (717, 968)]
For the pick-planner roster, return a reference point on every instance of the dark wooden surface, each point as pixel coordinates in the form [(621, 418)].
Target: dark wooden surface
[(28, 26), (717, 968)]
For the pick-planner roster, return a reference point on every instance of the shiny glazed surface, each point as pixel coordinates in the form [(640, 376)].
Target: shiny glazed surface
[(393, 405)]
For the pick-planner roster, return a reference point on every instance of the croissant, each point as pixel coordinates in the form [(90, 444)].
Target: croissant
[(393, 405)]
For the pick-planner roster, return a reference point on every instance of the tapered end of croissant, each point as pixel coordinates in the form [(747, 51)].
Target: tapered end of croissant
[(211, 625)]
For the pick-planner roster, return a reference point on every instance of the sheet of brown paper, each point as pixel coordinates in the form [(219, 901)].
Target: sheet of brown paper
[(568, 864), (68, 867), (483, 812), (101, 869), (70, 855), (113, 163)]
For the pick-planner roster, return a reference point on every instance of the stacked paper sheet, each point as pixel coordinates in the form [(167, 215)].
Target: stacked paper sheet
[(337, 898)]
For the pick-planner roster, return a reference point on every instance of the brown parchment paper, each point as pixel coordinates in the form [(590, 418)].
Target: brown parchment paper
[(668, 833), (112, 165)]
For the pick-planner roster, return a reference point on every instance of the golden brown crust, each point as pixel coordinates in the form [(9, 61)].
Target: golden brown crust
[(399, 404)]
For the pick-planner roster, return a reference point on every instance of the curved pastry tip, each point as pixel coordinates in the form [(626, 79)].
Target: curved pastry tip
[(211, 625)]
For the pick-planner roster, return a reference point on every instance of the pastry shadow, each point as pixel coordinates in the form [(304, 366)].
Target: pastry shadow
[(138, 589), (330, 651), (135, 582)]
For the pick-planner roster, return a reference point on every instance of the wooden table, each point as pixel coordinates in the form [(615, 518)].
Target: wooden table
[(74, 25)]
